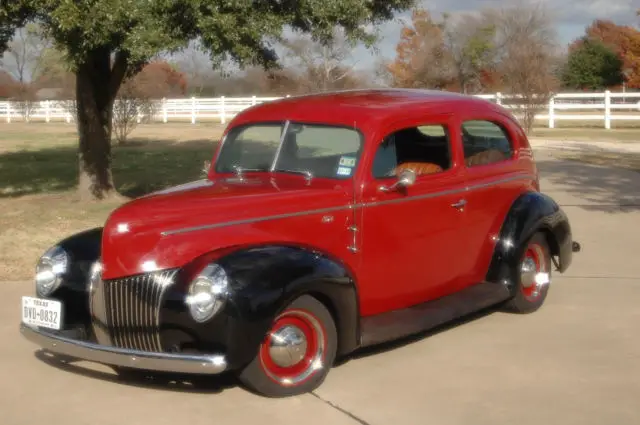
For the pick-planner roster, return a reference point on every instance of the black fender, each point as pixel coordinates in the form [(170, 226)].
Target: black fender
[(83, 250), (531, 212), (264, 280)]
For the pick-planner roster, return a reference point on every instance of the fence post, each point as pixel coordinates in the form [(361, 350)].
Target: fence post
[(253, 100), (223, 118), (164, 110), (499, 98), (607, 110), (193, 110), (552, 112), (47, 112)]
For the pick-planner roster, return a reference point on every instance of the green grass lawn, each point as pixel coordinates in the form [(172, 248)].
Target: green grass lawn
[(39, 174)]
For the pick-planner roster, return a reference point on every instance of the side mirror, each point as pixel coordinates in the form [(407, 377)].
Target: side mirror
[(406, 178)]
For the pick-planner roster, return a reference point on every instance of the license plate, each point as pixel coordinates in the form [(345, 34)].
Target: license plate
[(39, 312)]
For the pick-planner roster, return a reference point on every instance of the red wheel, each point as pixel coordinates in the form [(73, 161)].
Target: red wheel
[(294, 349), (534, 276), (297, 352), (534, 273)]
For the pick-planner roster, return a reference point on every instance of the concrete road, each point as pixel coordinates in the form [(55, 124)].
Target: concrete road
[(575, 361)]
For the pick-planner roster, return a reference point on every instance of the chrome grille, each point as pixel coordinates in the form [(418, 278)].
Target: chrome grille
[(132, 309)]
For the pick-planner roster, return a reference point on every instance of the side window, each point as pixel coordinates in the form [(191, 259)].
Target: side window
[(316, 141), (423, 149), (485, 143)]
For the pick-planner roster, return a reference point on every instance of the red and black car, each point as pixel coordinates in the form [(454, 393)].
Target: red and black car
[(326, 223)]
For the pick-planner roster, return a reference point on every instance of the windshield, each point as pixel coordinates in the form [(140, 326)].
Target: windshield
[(317, 150)]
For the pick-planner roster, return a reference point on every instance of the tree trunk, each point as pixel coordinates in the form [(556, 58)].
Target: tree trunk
[(96, 87)]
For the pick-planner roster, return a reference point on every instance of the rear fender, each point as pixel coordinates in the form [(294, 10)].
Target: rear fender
[(531, 212)]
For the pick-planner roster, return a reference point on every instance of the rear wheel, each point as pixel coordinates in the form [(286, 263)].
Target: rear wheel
[(534, 276), (297, 352)]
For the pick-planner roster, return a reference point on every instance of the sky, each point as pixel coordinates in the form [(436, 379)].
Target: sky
[(570, 17)]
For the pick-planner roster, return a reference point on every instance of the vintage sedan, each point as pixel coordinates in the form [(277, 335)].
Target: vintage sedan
[(326, 223)]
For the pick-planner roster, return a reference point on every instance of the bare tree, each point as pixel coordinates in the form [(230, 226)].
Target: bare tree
[(22, 60), (137, 96), (198, 69), (381, 75), (527, 52), (470, 42), (23, 57), (322, 66)]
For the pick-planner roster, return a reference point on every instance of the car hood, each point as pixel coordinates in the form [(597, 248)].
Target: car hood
[(166, 229)]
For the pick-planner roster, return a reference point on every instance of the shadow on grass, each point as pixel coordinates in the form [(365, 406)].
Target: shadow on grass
[(139, 167), (595, 182)]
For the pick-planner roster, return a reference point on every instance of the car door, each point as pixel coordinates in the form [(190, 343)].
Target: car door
[(496, 176), (411, 240)]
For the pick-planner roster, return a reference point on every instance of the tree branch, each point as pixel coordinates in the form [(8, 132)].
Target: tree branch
[(118, 72)]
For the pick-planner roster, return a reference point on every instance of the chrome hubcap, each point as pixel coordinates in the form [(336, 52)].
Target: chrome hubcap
[(528, 272), (287, 346), (534, 275)]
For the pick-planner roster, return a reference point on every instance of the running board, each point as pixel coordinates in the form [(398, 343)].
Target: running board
[(396, 324)]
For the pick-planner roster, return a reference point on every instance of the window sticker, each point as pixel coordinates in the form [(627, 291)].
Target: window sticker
[(344, 171), (347, 161)]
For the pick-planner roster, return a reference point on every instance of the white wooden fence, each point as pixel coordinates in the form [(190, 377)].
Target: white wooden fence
[(604, 107)]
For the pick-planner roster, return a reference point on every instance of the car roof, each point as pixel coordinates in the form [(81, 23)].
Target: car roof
[(360, 107)]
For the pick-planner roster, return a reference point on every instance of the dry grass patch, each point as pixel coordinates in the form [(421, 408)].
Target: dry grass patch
[(31, 224)]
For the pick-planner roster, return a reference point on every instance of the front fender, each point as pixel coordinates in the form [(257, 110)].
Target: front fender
[(83, 249), (530, 212), (264, 280)]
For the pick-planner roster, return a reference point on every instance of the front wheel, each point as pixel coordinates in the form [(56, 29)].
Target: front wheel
[(534, 276), (297, 352)]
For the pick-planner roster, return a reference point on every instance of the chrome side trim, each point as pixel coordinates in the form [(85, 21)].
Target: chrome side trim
[(350, 206), (164, 362), (196, 184), (254, 220)]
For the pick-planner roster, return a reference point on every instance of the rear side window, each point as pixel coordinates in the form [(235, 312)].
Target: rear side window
[(423, 149), (485, 142)]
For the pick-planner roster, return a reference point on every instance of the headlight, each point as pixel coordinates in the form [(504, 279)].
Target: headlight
[(50, 269), (207, 292)]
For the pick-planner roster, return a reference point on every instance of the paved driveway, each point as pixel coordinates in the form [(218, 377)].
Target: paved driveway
[(576, 361)]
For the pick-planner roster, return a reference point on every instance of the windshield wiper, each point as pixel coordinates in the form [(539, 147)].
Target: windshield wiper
[(240, 170), (308, 174)]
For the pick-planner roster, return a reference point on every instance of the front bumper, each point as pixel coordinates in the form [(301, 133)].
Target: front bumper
[(163, 362)]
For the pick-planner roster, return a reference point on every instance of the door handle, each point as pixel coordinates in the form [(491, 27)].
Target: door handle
[(460, 204)]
